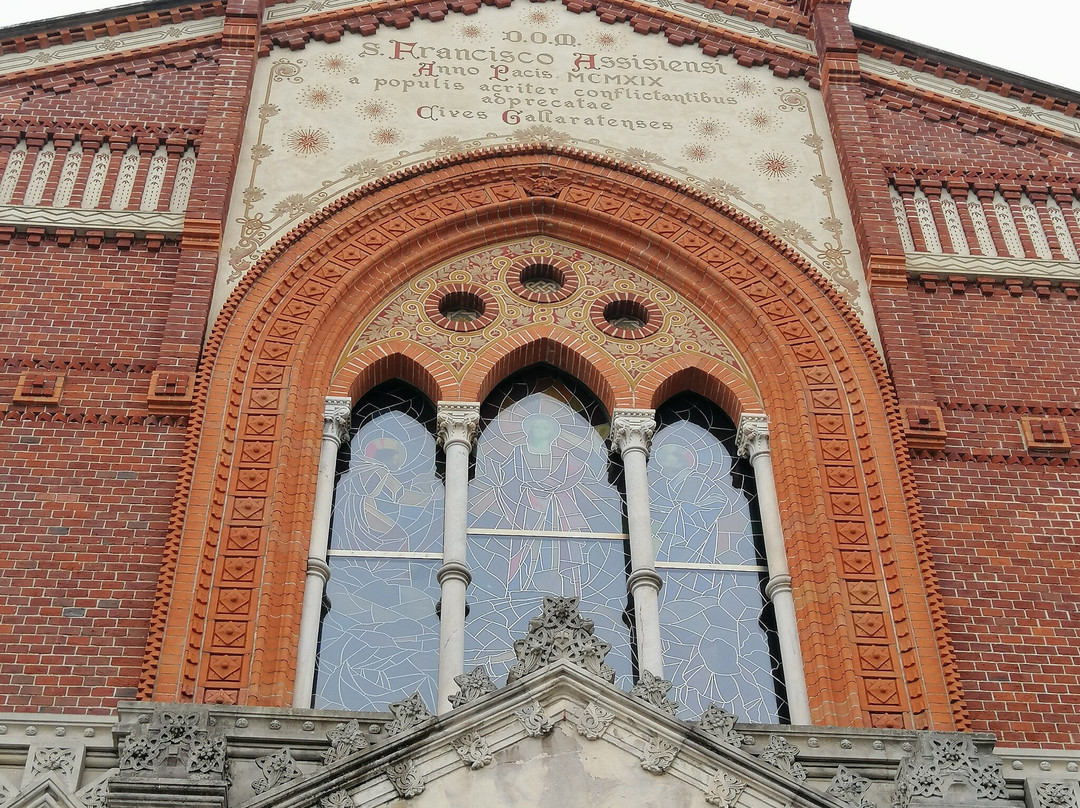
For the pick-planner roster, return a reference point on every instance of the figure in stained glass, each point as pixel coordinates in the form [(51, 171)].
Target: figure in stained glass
[(380, 633), (709, 554), (546, 517)]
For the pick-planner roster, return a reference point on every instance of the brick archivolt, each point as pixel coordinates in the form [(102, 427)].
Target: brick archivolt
[(341, 305)]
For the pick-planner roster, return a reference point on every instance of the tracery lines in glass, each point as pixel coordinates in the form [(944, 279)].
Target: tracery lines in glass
[(380, 637), (388, 496), (547, 518), (541, 462), (380, 634), (699, 498), (715, 645), (704, 516), (511, 575)]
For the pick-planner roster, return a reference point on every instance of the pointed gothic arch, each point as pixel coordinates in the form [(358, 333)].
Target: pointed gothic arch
[(874, 642)]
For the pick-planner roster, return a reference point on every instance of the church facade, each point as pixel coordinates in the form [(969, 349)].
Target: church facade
[(604, 401)]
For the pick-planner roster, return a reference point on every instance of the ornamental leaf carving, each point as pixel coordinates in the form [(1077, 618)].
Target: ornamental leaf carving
[(560, 632)]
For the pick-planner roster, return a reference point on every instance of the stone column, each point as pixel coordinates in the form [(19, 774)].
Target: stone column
[(456, 432), (631, 436), (752, 440), (337, 418)]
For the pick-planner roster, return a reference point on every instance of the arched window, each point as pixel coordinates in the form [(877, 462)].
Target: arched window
[(547, 514), (718, 642), (546, 518), (380, 633)]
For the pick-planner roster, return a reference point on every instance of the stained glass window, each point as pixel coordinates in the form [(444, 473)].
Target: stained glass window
[(713, 622), (546, 518), (380, 633)]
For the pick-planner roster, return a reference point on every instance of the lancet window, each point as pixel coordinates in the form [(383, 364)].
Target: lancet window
[(549, 511)]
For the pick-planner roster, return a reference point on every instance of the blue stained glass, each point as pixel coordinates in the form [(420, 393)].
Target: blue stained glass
[(388, 496), (380, 637), (542, 462), (715, 647), (698, 495), (511, 576)]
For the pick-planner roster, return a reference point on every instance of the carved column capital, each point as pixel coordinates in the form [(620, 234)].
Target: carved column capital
[(337, 418), (632, 430), (457, 422), (752, 436)]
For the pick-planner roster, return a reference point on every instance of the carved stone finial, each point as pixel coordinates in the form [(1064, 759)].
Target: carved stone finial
[(473, 750), (653, 690), (781, 754), (725, 790), (560, 632), (345, 739), (175, 744), (945, 766), (719, 725), (632, 430), (474, 684), (337, 418), (658, 755), (408, 713), (337, 799), (1051, 794), (592, 721), (276, 769), (752, 436), (534, 720), (457, 422), (849, 787), (406, 779)]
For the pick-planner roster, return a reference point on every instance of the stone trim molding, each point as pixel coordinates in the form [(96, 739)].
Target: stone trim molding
[(81, 221), (979, 266)]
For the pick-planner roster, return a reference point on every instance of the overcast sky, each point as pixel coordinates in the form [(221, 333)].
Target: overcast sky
[(1038, 42)]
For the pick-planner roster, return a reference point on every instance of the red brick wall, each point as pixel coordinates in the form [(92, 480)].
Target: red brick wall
[(1005, 521), (1006, 543), (168, 94), (77, 302), (84, 508), (87, 483)]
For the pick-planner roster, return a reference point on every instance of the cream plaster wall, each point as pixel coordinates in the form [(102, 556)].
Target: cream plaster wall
[(332, 117)]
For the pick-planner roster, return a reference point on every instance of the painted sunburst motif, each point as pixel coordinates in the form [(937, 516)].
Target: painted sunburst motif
[(335, 63), (697, 153), (776, 165), (709, 128), (307, 141), (604, 40), (746, 86), (471, 31), (374, 109), (759, 120), (385, 136), (539, 17), (318, 97)]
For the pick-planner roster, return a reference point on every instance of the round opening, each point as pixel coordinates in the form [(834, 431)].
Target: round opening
[(461, 307), (629, 315), (542, 279)]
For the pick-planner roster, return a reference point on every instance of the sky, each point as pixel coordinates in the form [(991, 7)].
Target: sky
[(1036, 43)]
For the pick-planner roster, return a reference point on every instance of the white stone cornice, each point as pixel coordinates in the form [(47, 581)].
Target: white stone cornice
[(81, 220), (457, 422), (991, 266), (632, 430), (337, 418), (146, 38), (752, 437)]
